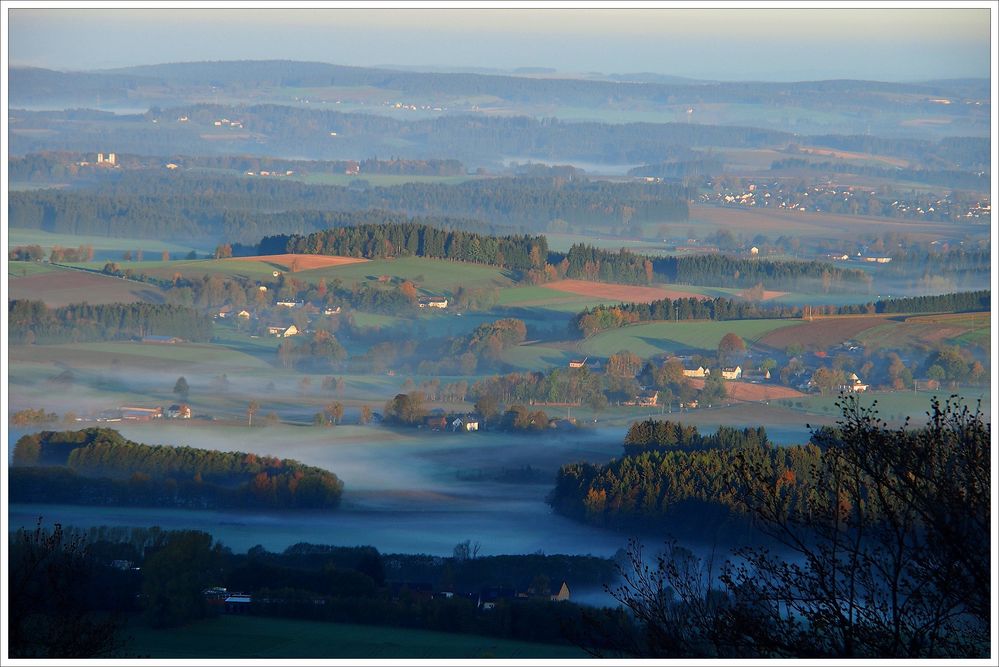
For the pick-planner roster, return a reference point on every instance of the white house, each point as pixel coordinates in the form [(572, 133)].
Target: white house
[(731, 373), (433, 302)]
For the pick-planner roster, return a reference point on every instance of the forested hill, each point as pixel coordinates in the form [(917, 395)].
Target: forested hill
[(161, 204), (673, 477), (99, 466), (31, 83)]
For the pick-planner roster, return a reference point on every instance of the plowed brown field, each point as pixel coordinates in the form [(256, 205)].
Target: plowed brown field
[(618, 291), (821, 333), (747, 391), (305, 262)]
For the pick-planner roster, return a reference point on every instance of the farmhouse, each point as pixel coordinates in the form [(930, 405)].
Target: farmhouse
[(648, 399), (332, 311), (465, 423), (433, 302), (562, 594), (291, 304), (578, 363), (131, 413), (730, 373), (243, 314), (179, 411), (698, 372), (281, 331), (238, 603), (854, 384)]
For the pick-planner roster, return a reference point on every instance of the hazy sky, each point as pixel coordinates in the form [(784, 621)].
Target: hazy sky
[(721, 43)]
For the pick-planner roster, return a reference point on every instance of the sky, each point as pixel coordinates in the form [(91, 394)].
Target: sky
[(760, 43)]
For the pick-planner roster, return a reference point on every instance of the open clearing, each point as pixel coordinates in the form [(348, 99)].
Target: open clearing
[(19, 237), (846, 155), (60, 287), (259, 637), (617, 291), (300, 262), (652, 338)]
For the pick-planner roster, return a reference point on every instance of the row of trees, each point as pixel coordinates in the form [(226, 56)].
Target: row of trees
[(589, 263), (421, 240), (599, 318)]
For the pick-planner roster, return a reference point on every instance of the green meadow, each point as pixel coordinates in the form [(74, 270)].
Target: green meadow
[(234, 637), (650, 339), (894, 406), (19, 237)]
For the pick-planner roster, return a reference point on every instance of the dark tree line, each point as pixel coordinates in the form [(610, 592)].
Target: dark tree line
[(34, 322), (99, 466), (958, 302), (677, 484), (600, 318), (519, 252), (589, 263)]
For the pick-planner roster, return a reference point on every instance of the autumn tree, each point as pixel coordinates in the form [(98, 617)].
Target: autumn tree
[(365, 416), (731, 349), (334, 411), (624, 364), (406, 408)]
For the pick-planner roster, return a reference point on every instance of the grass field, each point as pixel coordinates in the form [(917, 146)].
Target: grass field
[(654, 338), (433, 276), (536, 357), (273, 638), (430, 275), (897, 405), (18, 237), (25, 269)]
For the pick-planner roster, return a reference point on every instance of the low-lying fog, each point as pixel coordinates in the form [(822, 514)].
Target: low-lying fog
[(405, 491)]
